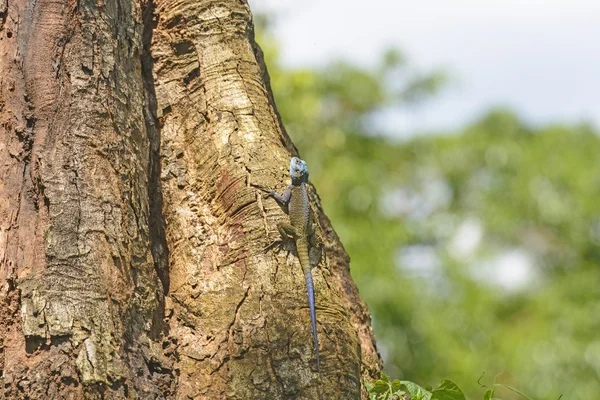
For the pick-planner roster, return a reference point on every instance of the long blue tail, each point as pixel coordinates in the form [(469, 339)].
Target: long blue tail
[(313, 317)]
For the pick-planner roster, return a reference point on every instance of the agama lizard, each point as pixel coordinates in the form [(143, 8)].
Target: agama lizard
[(300, 230)]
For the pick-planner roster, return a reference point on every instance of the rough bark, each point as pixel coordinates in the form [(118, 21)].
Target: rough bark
[(134, 141)]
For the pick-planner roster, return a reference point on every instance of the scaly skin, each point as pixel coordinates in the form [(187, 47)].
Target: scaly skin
[(300, 230)]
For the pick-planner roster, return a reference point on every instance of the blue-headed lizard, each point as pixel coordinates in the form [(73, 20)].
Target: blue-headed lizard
[(300, 230)]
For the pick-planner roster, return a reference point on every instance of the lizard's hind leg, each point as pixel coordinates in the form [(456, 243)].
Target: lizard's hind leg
[(316, 250), (287, 232)]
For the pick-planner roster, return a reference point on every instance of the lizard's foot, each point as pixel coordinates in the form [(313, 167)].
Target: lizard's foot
[(315, 255), (282, 244), (278, 244)]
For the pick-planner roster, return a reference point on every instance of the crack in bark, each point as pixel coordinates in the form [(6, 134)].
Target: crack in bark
[(261, 206), (159, 248), (272, 371), (77, 229), (236, 315), (239, 208)]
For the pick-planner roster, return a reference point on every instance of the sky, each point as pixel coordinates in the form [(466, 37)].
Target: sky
[(538, 57)]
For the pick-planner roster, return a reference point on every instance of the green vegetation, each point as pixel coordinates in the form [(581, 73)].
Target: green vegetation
[(386, 389), (475, 250)]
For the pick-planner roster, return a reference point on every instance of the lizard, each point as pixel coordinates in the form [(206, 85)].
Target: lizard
[(300, 230)]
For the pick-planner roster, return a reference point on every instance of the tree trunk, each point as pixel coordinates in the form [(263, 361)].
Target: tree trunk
[(135, 141)]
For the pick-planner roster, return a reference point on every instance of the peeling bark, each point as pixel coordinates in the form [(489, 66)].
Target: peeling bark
[(134, 141)]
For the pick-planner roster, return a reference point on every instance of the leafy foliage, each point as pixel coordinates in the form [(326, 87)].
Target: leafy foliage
[(475, 250), (386, 389)]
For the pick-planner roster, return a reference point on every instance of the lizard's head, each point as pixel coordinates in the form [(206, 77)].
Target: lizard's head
[(298, 170)]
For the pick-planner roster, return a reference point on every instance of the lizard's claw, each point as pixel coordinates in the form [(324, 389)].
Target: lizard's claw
[(267, 193)]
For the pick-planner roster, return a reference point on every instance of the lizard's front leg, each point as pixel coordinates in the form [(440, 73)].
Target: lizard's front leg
[(283, 198)]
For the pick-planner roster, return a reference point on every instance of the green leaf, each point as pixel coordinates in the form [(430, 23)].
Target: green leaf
[(384, 377), (381, 387), (447, 390), (416, 391), (488, 394), (396, 385)]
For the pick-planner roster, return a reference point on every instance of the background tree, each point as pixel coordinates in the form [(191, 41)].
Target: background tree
[(476, 249), (135, 141)]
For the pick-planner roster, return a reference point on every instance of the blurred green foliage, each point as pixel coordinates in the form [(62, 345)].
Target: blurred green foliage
[(475, 250), (387, 389)]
